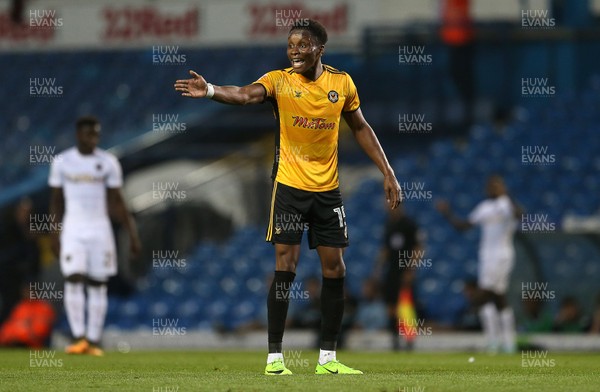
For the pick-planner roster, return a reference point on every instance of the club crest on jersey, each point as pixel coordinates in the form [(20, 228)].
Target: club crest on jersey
[(99, 166), (297, 94), (333, 96)]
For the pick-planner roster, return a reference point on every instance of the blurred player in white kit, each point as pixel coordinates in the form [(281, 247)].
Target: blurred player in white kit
[(497, 216), (85, 186)]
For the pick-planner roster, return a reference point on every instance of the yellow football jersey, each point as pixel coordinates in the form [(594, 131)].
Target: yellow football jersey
[(308, 114)]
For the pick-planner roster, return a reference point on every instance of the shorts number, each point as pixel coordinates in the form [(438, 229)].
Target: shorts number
[(341, 214)]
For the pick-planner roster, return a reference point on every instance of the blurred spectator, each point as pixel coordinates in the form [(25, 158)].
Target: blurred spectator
[(372, 313), (456, 31), (595, 322), (29, 324), (569, 317), (469, 319), (395, 267), (535, 317), (19, 255)]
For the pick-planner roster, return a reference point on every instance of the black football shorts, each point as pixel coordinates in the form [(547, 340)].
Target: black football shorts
[(294, 211)]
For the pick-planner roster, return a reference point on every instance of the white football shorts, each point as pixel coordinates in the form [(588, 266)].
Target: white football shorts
[(88, 251), (494, 273)]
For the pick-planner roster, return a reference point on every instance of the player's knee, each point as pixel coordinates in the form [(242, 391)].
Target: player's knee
[(500, 301), (286, 259), (285, 264), (76, 278), (487, 296), (334, 268)]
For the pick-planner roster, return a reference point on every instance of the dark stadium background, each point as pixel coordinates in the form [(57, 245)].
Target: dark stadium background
[(209, 234)]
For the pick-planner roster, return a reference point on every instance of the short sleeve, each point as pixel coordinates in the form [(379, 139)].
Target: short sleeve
[(270, 81), (114, 178), (477, 215), (352, 102), (55, 178)]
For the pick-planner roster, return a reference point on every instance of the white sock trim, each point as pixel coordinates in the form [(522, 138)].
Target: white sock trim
[(326, 356), (272, 357)]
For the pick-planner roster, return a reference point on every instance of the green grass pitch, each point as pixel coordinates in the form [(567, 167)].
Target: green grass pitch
[(162, 371)]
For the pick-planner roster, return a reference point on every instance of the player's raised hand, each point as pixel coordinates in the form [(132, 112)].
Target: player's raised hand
[(196, 87), (393, 192)]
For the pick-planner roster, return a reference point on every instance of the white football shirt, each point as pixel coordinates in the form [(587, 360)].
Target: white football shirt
[(498, 224), (84, 179)]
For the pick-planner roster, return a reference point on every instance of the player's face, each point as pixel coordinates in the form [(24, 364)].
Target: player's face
[(303, 51), (87, 138), (495, 187)]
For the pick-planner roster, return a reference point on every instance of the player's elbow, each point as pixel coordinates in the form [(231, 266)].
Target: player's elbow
[(249, 95), (245, 99), (362, 129), (248, 99)]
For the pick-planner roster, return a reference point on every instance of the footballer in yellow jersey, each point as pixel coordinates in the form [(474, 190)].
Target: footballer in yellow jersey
[(309, 115), (309, 99)]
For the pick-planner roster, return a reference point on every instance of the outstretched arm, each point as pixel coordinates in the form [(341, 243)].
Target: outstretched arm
[(197, 87), (459, 224), (364, 135)]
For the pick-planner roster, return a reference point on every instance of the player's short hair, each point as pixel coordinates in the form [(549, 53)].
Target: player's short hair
[(85, 121), (315, 29)]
